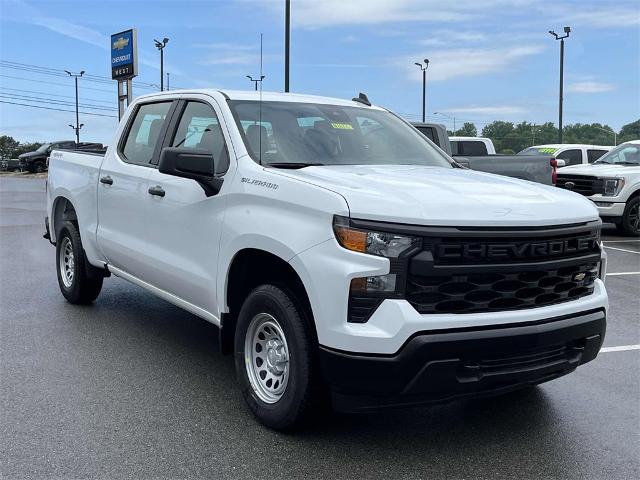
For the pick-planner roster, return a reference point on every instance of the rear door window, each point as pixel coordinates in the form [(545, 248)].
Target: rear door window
[(144, 133), (571, 157), (593, 155), (471, 148)]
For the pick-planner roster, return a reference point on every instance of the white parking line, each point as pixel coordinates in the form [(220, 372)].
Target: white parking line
[(623, 273), (622, 250), (621, 348)]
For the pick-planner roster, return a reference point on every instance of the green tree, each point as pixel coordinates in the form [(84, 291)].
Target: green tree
[(497, 131), (467, 130), (26, 147), (630, 131), (8, 146)]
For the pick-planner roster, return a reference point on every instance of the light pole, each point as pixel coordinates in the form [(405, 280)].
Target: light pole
[(78, 126), (287, 42), (424, 67), (567, 30), (448, 116), (167, 81), (255, 80), (160, 46), (77, 130)]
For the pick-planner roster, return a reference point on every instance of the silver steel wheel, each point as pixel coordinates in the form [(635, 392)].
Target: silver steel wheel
[(266, 357), (66, 262)]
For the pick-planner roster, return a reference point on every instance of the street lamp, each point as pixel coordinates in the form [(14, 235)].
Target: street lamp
[(255, 80), (160, 46), (448, 116), (77, 130), (567, 30), (424, 67), (78, 126)]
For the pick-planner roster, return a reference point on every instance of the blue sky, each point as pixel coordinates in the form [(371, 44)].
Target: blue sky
[(489, 59)]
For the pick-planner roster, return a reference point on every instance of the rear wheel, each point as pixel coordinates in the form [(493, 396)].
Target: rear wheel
[(39, 166), (630, 224), (75, 283), (274, 356)]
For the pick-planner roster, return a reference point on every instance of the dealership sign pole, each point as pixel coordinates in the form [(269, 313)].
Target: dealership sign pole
[(124, 65)]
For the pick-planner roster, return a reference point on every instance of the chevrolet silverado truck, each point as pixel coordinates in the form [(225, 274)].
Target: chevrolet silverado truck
[(342, 256), (612, 183), (535, 168)]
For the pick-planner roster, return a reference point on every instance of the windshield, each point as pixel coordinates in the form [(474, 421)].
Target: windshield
[(306, 133), (625, 154), (538, 151), (43, 148)]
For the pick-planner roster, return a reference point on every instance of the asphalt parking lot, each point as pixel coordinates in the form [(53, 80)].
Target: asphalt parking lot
[(134, 387)]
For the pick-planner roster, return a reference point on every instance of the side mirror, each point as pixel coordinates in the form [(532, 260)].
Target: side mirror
[(194, 163), (560, 163)]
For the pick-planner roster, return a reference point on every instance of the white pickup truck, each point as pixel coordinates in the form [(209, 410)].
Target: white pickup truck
[(613, 183), (340, 252)]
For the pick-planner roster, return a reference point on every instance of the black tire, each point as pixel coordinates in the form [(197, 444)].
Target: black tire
[(79, 288), (301, 393), (39, 167), (630, 224)]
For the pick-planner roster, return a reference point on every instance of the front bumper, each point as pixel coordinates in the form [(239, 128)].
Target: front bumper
[(608, 208), (437, 366)]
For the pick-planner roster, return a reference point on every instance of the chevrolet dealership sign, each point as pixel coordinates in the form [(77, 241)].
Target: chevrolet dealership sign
[(124, 55)]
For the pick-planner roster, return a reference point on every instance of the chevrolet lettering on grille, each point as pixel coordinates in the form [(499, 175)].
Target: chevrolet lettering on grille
[(517, 250)]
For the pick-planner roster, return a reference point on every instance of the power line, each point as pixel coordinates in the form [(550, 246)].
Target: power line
[(30, 98), (54, 83), (54, 94), (58, 109)]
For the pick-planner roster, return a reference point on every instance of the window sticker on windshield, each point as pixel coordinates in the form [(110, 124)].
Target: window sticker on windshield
[(342, 126), (547, 150)]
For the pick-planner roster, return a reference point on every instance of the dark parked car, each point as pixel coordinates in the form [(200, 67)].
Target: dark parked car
[(10, 165), (37, 161)]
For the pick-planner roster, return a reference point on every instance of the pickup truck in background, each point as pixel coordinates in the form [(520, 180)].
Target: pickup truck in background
[(535, 168), (613, 183), (38, 160), (471, 146), (341, 255), (569, 153)]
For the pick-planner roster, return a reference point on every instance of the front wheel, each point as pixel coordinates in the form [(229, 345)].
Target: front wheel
[(275, 357), (631, 218), (75, 283), (39, 167)]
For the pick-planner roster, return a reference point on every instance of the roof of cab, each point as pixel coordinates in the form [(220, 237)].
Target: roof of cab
[(266, 97)]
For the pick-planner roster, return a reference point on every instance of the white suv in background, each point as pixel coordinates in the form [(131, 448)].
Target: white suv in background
[(471, 146), (571, 153), (612, 183)]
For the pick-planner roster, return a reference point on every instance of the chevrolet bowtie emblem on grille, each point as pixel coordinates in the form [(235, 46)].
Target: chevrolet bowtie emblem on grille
[(569, 185), (579, 276), (120, 43)]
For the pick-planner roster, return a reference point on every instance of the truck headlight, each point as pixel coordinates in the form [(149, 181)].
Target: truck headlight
[(382, 244), (612, 186)]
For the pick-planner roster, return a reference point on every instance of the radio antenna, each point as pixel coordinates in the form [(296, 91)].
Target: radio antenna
[(260, 107)]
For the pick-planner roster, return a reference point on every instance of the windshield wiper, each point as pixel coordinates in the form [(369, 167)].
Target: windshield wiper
[(292, 165)]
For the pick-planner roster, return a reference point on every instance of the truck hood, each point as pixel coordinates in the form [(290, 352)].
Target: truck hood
[(601, 170), (442, 196)]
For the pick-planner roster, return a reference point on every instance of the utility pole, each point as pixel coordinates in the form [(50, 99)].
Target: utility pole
[(424, 67), (78, 126), (160, 46), (287, 42), (167, 81), (567, 30)]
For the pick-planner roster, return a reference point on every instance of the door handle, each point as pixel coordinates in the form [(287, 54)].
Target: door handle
[(157, 190), (106, 180)]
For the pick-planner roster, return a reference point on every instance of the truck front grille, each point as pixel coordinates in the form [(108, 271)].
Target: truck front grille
[(580, 184), (500, 290)]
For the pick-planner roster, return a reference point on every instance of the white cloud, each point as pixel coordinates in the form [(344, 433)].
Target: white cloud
[(452, 37), (470, 62), (488, 110), (233, 54), (590, 87), (595, 16)]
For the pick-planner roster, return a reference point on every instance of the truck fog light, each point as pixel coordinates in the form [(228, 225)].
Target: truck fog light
[(377, 284)]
